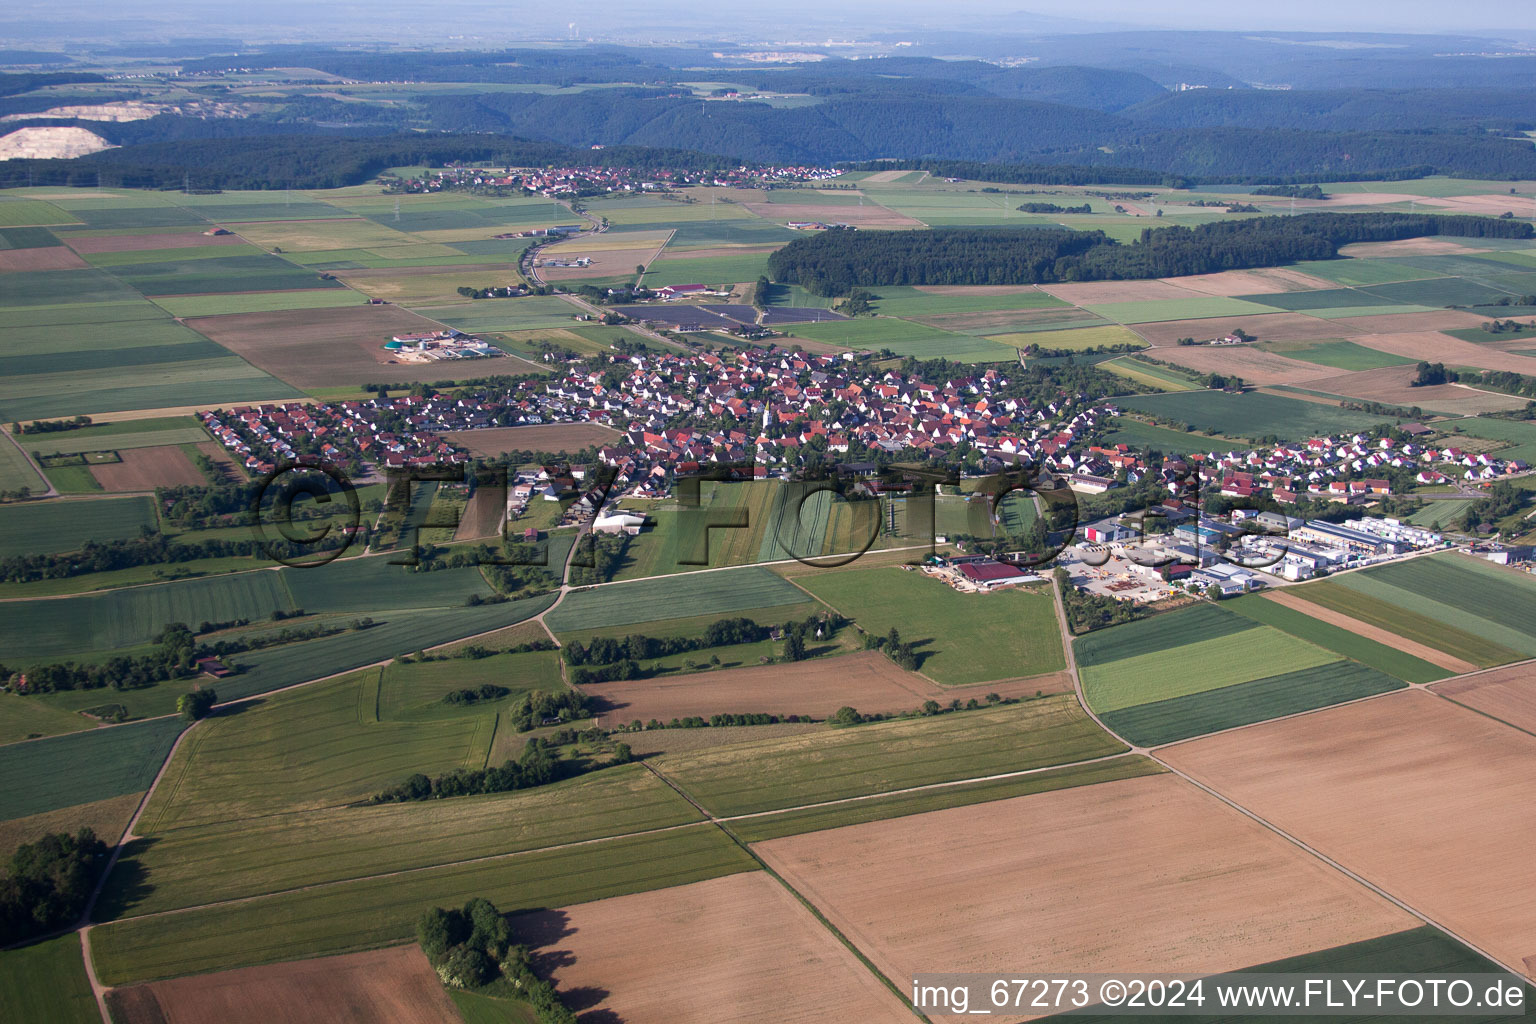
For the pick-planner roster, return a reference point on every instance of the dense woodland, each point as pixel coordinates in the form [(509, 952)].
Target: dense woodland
[(836, 261), (48, 883)]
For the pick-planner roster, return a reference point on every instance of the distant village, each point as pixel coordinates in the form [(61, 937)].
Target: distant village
[(564, 182)]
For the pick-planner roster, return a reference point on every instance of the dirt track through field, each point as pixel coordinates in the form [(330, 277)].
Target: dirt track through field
[(395, 985), (1508, 694), (732, 950), (1145, 874), (1424, 799), (1370, 632)]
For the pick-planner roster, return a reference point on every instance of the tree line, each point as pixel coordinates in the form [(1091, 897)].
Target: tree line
[(836, 261), (48, 883)]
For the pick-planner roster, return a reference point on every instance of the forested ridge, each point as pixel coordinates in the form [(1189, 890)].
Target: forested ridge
[(835, 261)]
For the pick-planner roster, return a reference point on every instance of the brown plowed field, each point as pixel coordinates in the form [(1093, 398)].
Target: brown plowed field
[(732, 950), (1404, 323), (143, 243), (312, 348), (1392, 385), (1428, 800), (482, 515), (1508, 694), (144, 469), (53, 257), (868, 681), (1088, 293), (395, 985), (215, 451), (1145, 874), (1264, 326), (540, 437), (1291, 599), (1252, 282), (1253, 365), (1490, 205)]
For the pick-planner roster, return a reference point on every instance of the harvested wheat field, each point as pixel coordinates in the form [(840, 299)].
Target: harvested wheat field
[(1392, 385), (311, 348), (144, 469), (1162, 878), (395, 985), (869, 216), (89, 243), (1442, 348), (1264, 326), (1405, 323), (53, 257), (1508, 694), (540, 437), (1090, 293), (1253, 365), (1428, 800), (731, 950), (1252, 282), (1293, 600)]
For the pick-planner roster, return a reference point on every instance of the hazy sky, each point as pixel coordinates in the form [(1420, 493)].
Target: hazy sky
[(479, 22)]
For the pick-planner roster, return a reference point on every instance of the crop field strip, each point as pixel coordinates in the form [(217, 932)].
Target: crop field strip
[(373, 912), (84, 767), (1471, 595), (46, 981), (1428, 629), (883, 756), (1373, 653), (629, 604), (310, 748), (1251, 414), (198, 865), (59, 526)]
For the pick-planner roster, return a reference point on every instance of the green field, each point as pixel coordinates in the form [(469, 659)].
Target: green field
[(16, 472), (1252, 414), (1345, 355), (906, 338), (118, 435), (1338, 640), (712, 270), (959, 638), (414, 690), (536, 312), (830, 765), (258, 302), (1427, 628), (1469, 594), (50, 629), (55, 526), (776, 825), (274, 853), (369, 913), (1144, 435), (1355, 272), (373, 584), (1160, 310), (1149, 375), (45, 983), (681, 596), (910, 301), (1322, 298), (28, 212), (85, 766), (1257, 700), (308, 748), (1443, 512), (26, 717), (1196, 666), (1520, 433), (1156, 634), (1074, 339)]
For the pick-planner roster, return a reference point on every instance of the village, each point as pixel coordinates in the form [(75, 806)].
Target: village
[(566, 182)]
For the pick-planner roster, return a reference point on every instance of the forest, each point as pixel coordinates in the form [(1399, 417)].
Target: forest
[(836, 261)]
